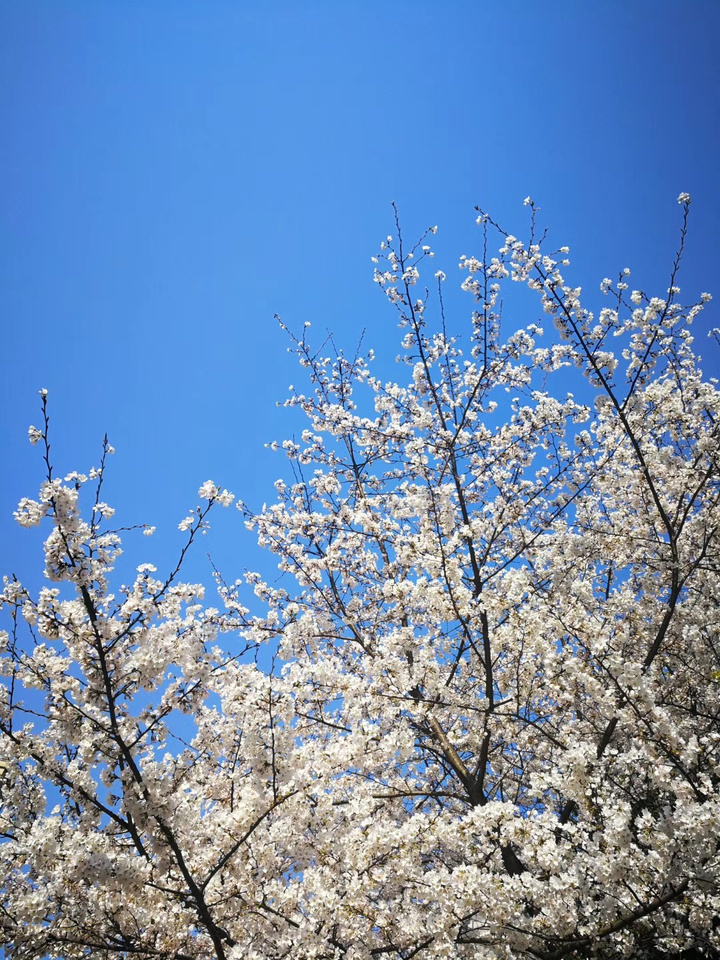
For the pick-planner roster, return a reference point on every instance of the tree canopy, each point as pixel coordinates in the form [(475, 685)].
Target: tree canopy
[(476, 715)]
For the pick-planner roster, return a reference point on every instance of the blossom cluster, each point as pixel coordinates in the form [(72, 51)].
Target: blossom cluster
[(490, 724)]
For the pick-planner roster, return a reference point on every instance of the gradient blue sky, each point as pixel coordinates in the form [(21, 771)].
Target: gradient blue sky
[(175, 173)]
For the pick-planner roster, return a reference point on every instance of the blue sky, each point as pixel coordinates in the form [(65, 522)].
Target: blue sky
[(176, 173)]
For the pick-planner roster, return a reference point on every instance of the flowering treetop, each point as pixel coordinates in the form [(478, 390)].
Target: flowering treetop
[(491, 725)]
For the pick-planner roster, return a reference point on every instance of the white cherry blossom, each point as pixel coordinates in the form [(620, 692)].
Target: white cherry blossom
[(477, 713)]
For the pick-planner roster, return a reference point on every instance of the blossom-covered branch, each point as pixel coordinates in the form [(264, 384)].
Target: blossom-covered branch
[(491, 726)]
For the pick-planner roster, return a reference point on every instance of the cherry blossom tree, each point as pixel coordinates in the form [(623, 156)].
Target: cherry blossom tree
[(478, 714)]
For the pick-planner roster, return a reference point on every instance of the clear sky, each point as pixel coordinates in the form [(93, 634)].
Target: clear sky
[(174, 173)]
